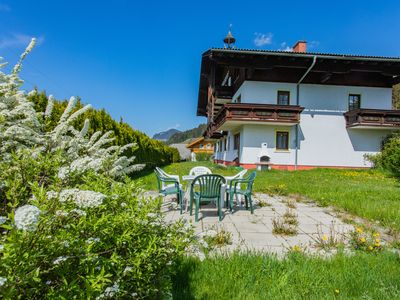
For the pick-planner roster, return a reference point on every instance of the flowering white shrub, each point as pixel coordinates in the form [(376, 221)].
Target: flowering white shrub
[(82, 199), (21, 127), (71, 225), (26, 217)]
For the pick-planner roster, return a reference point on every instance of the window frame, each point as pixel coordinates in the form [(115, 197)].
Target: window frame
[(280, 92), (287, 140), (348, 101), (236, 141)]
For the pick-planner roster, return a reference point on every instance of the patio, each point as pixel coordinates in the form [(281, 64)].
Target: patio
[(255, 232)]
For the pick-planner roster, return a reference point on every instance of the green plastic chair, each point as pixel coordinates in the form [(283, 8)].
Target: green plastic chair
[(236, 188), (169, 186), (204, 189)]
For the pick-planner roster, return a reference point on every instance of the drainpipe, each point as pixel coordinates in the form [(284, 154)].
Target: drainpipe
[(298, 103)]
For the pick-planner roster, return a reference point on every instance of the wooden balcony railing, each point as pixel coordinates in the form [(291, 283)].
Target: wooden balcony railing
[(252, 112), (372, 117)]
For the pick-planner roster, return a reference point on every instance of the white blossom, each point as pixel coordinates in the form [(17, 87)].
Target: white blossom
[(79, 212), (83, 199), (3, 280), (60, 213), (203, 243), (67, 195), (49, 107), (92, 240), (59, 260), (51, 195), (3, 219), (127, 270), (111, 291), (1, 247), (26, 217)]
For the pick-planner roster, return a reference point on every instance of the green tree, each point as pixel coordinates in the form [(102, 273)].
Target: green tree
[(148, 151)]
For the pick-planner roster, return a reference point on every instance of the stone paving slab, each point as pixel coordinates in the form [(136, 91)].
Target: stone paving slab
[(255, 232)]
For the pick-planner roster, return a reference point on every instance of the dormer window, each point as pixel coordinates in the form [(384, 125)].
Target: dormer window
[(283, 98), (354, 101)]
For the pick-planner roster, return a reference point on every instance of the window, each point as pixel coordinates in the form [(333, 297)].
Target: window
[(201, 146), (208, 146), (236, 141), (283, 98), (282, 140), (225, 145), (354, 101)]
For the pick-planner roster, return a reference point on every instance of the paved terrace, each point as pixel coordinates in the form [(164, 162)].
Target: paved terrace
[(255, 232)]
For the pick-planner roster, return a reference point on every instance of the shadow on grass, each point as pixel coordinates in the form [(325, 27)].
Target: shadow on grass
[(182, 285)]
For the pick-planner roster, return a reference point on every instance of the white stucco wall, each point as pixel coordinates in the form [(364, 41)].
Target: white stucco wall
[(255, 135), (228, 154), (323, 136)]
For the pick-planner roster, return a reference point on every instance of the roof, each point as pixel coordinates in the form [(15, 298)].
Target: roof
[(303, 54), (196, 141), (290, 67), (184, 152)]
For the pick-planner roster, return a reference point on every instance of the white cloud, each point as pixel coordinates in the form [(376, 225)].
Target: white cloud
[(4, 7), (18, 40), (285, 47), (262, 39)]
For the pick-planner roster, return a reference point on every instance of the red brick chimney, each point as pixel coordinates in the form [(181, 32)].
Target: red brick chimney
[(300, 46)]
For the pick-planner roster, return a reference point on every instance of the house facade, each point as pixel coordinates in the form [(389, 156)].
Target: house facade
[(201, 145), (297, 110)]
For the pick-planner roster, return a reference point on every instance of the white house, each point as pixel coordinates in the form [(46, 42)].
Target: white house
[(296, 110)]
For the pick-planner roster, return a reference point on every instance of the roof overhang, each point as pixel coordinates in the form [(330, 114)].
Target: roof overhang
[(281, 66)]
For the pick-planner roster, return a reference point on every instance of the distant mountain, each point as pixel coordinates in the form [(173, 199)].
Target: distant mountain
[(165, 135), (181, 137)]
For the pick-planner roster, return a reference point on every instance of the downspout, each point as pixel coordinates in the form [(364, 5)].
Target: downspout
[(298, 103)]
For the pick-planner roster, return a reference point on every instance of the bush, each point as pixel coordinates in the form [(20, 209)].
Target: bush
[(79, 248), (203, 156), (389, 158), (72, 225)]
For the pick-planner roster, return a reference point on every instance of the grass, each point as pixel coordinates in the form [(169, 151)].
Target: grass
[(257, 276), (290, 218), (282, 227), (370, 194)]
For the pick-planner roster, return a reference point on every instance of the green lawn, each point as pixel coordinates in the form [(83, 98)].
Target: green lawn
[(369, 194), (252, 276)]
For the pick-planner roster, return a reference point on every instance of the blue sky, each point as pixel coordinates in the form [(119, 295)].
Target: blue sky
[(140, 61)]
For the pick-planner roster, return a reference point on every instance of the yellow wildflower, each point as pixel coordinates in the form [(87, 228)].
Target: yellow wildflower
[(296, 249), (377, 241), (359, 230), (337, 291), (324, 237), (376, 234), (370, 248), (362, 240)]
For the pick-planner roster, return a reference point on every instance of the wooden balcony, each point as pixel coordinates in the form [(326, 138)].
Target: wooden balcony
[(373, 118), (234, 114)]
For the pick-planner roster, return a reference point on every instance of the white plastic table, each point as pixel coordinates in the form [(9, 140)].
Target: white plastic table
[(189, 179)]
